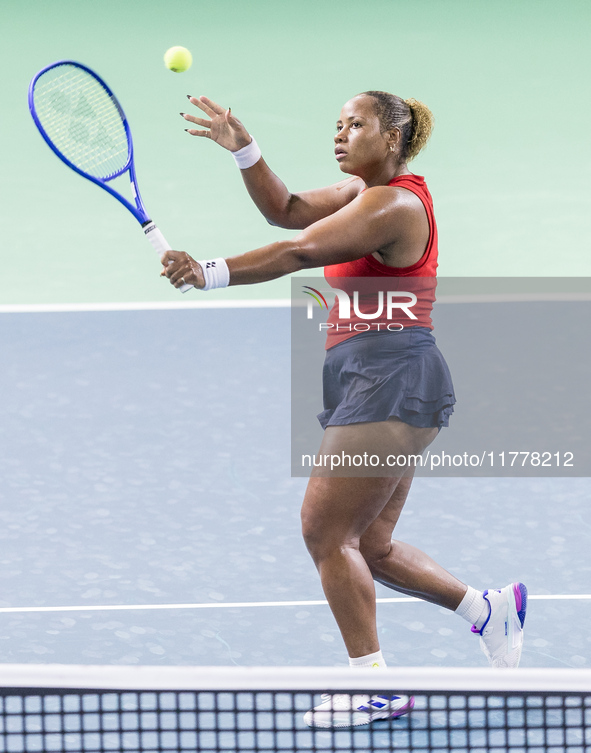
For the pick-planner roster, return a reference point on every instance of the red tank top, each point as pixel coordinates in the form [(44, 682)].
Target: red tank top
[(380, 304)]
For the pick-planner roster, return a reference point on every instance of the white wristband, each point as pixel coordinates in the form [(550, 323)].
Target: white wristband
[(216, 273), (248, 156)]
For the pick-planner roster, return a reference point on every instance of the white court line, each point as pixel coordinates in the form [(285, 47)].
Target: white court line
[(52, 308), (56, 308), (248, 604)]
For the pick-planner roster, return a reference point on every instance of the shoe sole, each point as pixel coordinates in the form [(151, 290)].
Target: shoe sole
[(517, 605), (520, 595)]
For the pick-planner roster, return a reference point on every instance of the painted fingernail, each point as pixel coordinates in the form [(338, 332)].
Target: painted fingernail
[(182, 114), (188, 96)]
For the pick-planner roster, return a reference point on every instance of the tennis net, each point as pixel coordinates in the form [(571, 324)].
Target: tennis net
[(223, 709)]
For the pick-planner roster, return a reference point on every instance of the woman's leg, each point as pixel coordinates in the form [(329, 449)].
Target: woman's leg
[(499, 614), (404, 567), (335, 514), (347, 525), (338, 511)]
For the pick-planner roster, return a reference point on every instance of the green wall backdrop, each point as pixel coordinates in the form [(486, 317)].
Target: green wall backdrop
[(508, 164)]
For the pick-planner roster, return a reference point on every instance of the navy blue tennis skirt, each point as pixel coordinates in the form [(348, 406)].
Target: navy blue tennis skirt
[(375, 376)]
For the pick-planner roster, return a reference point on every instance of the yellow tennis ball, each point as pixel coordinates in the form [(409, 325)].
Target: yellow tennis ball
[(178, 59)]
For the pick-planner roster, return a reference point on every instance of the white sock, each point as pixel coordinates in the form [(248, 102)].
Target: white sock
[(473, 608), (375, 661)]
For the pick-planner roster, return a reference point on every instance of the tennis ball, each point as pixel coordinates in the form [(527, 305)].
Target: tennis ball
[(178, 59)]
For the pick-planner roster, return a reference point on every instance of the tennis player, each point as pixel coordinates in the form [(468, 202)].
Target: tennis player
[(378, 222)]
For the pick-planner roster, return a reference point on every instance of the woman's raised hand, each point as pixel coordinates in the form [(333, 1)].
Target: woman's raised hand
[(222, 127)]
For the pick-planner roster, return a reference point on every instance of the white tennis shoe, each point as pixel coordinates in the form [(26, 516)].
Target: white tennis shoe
[(501, 636), (343, 710)]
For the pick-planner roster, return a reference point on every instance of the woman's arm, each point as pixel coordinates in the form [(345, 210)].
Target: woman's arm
[(376, 218), (295, 211), (269, 193)]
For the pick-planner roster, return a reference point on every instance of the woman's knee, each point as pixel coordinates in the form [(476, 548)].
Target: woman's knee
[(322, 541), (336, 513), (373, 550), (309, 530)]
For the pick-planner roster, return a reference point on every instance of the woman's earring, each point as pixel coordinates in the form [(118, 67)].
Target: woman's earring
[(392, 149)]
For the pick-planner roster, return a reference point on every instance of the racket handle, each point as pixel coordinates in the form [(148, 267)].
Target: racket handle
[(160, 245)]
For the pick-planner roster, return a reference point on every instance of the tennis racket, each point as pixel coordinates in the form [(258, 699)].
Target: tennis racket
[(83, 123)]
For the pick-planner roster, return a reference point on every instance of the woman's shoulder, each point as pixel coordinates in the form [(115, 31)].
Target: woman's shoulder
[(350, 187), (398, 199)]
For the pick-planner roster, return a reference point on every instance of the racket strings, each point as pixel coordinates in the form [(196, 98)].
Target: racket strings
[(82, 120)]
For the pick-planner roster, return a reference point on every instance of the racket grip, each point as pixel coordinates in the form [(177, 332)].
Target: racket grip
[(160, 245)]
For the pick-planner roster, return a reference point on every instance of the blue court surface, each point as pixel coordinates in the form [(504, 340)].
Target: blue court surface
[(148, 515)]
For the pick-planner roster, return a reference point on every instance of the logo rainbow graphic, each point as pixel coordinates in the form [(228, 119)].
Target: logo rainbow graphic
[(319, 298)]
